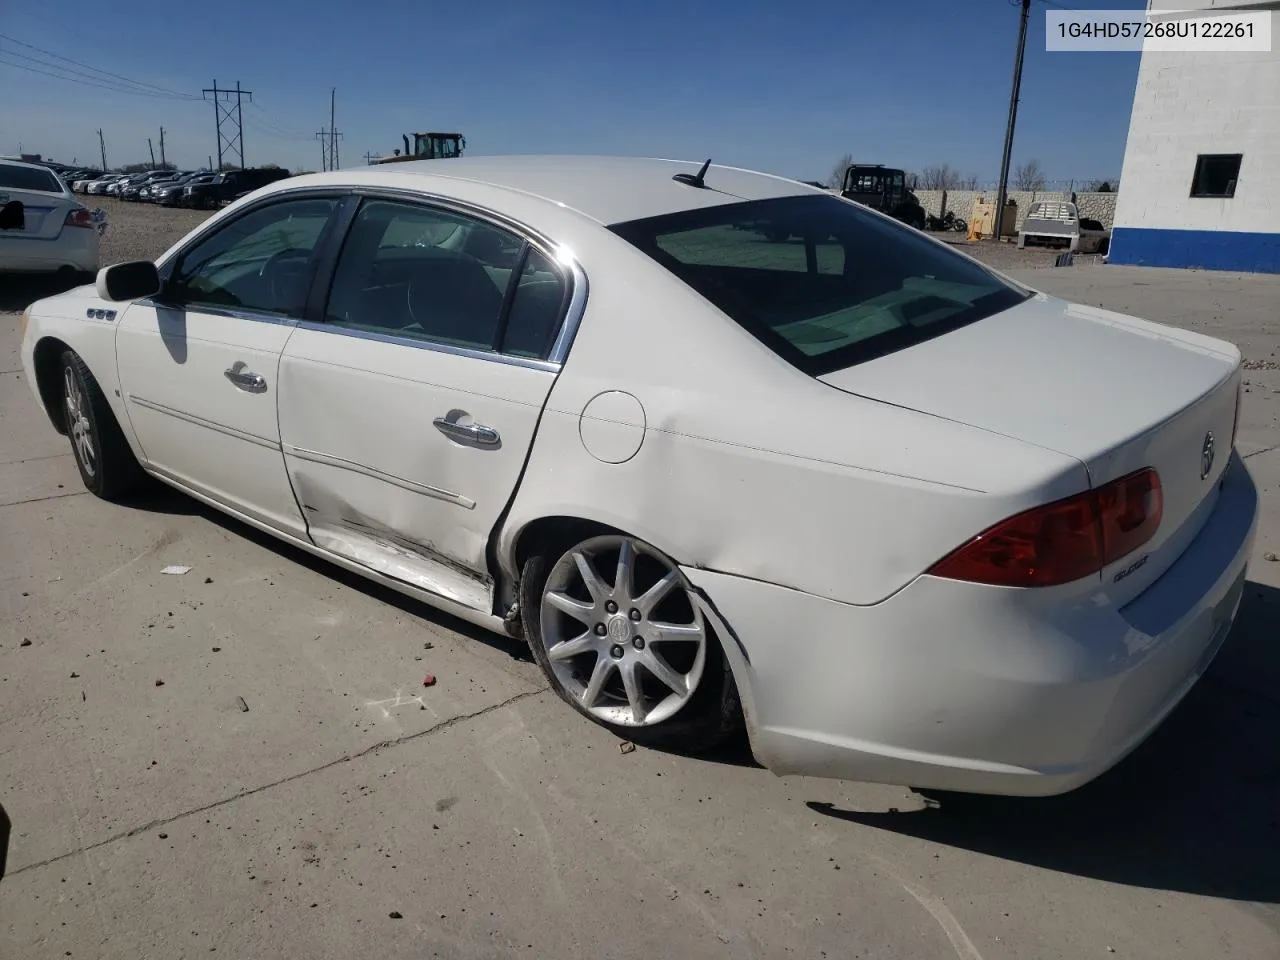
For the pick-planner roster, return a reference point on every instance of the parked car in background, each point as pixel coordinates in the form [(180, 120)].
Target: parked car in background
[(230, 185), (1056, 223), (43, 227), (99, 186), (148, 188), (114, 188), (892, 568), (169, 194)]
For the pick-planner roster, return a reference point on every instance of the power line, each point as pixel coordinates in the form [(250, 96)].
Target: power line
[(87, 83), (284, 130), (108, 73)]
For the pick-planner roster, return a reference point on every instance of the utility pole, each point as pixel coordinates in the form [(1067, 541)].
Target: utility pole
[(153, 153), (162, 160), (1003, 192), (369, 157), (102, 145), (333, 128), (323, 137), (228, 113)]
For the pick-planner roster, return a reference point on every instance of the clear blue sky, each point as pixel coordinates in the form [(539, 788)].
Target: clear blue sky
[(780, 86)]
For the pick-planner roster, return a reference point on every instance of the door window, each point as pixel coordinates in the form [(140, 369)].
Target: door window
[(261, 261), (413, 271)]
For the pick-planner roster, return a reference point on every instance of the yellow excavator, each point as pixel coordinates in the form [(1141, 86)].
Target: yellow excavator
[(426, 146)]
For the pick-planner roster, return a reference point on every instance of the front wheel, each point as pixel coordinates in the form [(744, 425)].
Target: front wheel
[(106, 463), (618, 632)]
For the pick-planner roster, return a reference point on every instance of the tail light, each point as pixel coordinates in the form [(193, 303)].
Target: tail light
[(1062, 541), (79, 217)]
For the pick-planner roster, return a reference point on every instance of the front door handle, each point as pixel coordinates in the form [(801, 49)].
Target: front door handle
[(473, 434), (245, 379)]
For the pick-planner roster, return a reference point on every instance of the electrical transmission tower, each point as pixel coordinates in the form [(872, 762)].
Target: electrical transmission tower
[(228, 115), (329, 138)]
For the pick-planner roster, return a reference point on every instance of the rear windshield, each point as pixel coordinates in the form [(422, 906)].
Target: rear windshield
[(27, 178), (822, 282)]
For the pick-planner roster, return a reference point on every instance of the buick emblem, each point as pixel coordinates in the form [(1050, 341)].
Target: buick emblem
[(1206, 455)]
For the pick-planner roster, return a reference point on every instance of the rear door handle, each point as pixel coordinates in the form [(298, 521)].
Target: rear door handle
[(245, 379), (473, 434)]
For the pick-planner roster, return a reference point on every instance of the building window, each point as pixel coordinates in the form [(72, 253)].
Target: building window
[(1216, 175)]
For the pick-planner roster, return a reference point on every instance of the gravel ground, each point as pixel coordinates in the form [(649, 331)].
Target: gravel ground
[(141, 231)]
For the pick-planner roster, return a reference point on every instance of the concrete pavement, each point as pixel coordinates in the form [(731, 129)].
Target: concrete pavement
[(350, 811)]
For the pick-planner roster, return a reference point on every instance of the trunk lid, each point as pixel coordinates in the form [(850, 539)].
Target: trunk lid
[(43, 213), (1117, 393)]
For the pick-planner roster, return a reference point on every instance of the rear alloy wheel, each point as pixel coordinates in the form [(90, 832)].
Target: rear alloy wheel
[(618, 631)]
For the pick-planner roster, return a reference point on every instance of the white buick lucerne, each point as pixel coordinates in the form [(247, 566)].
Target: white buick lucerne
[(905, 519)]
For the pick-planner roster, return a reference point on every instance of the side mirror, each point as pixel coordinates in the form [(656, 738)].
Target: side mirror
[(128, 281)]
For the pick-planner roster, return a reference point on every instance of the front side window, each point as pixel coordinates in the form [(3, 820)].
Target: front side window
[(843, 287), (262, 261), (423, 273)]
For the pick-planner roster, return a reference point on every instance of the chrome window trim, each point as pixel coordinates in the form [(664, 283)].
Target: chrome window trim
[(434, 346), (258, 316), (202, 422), (328, 460)]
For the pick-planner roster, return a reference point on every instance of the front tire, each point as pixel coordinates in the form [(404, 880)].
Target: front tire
[(617, 631), (102, 454)]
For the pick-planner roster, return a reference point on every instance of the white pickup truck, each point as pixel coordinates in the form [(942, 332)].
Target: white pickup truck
[(1057, 223)]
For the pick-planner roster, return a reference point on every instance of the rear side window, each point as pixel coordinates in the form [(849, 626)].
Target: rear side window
[(822, 282), (26, 178)]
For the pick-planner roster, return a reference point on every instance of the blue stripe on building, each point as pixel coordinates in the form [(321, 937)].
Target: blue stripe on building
[(1202, 249)]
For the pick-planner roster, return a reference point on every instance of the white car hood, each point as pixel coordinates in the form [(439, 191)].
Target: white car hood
[(1066, 377)]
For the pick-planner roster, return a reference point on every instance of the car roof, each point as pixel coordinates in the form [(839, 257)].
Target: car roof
[(605, 189)]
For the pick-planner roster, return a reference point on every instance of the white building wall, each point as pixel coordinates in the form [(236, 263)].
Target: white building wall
[(1187, 104), (1192, 103)]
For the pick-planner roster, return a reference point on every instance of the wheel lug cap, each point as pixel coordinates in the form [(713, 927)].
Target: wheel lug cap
[(611, 607), (638, 643), (616, 651), (600, 630), (635, 614)]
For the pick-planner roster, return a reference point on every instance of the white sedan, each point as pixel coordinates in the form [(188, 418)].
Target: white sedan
[(905, 519), (43, 227)]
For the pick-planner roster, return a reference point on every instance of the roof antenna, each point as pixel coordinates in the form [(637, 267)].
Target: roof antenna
[(694, 179)]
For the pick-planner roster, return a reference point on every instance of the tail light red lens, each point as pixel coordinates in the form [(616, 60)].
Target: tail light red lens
[(80, 217), (1062, 541)]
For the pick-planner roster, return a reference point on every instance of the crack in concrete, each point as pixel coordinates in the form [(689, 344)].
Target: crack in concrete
[(53, 496), (367, 751), (1274, 446), (47, 456)]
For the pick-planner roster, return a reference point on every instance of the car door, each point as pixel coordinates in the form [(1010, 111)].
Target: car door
[(198, 362), (407, 414)]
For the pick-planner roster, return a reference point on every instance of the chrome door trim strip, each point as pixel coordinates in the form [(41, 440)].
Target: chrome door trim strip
[(431, 345), (328, 460), (256, 316), (202, 422)]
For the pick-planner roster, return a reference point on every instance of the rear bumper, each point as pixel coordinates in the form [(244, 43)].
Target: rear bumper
[(978, 689), (75, 247)]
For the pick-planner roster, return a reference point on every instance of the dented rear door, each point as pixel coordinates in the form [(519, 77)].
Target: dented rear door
[(407, 415)]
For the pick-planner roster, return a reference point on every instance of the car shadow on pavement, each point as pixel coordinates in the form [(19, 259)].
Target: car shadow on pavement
[(157, 497), (1195, 809), (19, 291)]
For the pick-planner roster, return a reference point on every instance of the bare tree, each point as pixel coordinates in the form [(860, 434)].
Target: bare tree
[(1029, 176), (835, 178), (1100, 186), (970, 182), (912, 179), (938, 178)]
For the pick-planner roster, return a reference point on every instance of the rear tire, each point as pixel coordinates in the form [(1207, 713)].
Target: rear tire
[(649, 617), (107, 465)]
